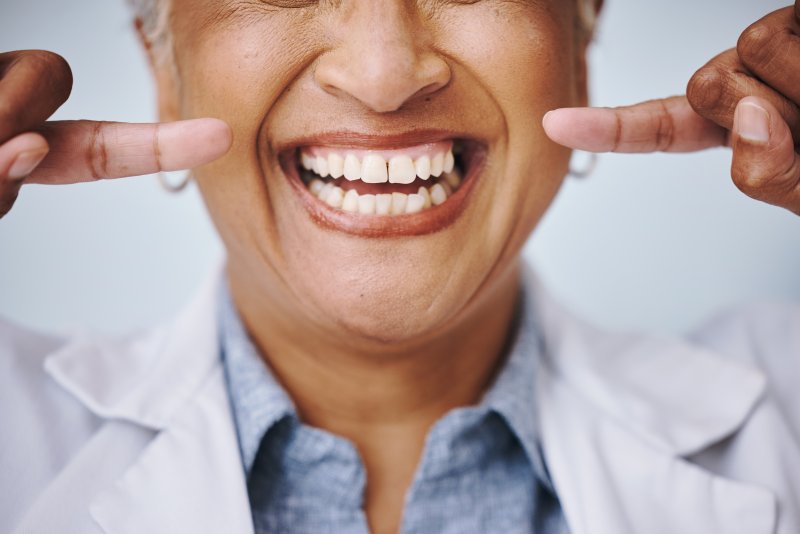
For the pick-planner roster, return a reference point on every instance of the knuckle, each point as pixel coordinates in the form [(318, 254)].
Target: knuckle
[(665, 131), (53, 69), (97, 152), (747, 181), (756, 45), (763, 182), (707, 87)]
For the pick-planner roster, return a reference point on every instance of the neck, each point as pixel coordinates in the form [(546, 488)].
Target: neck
[(384, 398), (338, 383)]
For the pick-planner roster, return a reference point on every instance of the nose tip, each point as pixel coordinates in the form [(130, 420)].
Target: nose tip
[(382, 80)]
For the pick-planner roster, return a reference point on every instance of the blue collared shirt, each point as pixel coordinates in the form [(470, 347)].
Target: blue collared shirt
[(481, 471)]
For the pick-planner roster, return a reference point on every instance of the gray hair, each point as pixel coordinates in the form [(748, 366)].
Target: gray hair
[(154, 18)]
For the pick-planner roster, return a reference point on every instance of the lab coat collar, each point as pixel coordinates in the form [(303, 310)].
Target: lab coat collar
[(618, 412), (144, 379), (679, 397), (189, 478), (619, 416)]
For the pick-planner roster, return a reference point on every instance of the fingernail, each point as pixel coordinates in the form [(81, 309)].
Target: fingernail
[(26, 163), (752, 123)]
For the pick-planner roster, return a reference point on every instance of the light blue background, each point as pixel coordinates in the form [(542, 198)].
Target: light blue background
[(649, 242)]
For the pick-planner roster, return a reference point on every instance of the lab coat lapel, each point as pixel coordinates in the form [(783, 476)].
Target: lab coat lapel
[(169, 383), (189, 479), (620, 414)]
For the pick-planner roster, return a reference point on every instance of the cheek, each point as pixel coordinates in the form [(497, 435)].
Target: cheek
[(235, 68), (525, 58)]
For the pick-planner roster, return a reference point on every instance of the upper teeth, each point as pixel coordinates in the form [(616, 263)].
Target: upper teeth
[(374, 169)]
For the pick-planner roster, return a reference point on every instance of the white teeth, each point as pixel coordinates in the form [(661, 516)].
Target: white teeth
[(423, 167), (321, 166), (438, 194), (323, 193), (446, 187), (316, 186), (350, 202), (449, 161), (399, 203), (453, 178), (335, 197), (335, 165), (437, 165), (426, 196), (402, 170), (352, 168), (394, 203), (366, 204), (373, 170), (415, 203), (383, 204)]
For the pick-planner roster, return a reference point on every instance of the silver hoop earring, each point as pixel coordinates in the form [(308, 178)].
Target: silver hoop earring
[(588, 169), (174, 187)]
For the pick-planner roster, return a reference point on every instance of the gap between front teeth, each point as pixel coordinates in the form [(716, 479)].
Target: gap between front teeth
[(374, 169), (387, 203)]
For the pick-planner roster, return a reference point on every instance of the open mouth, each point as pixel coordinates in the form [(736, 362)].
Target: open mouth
[(410, 190)]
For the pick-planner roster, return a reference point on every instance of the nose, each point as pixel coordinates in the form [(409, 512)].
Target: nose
[(383, 58)]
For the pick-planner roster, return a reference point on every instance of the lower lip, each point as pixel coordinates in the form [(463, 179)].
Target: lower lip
[(428, 221)]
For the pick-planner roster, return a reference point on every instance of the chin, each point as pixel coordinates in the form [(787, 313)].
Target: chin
[(391, 295)]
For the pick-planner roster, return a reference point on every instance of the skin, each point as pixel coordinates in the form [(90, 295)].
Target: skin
[(376, 338)]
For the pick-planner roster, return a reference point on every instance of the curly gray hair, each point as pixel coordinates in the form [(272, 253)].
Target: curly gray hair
[(154, 19)]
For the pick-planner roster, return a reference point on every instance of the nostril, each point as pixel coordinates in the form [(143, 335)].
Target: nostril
[(428, 89), (383, 80)]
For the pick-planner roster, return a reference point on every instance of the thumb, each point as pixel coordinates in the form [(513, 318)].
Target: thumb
[(765, 164)]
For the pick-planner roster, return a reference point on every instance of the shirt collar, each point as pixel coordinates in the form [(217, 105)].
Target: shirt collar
[(512, 394), (259, 401)]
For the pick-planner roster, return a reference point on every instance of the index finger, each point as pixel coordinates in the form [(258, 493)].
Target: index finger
[(665, 125), (82, 151)]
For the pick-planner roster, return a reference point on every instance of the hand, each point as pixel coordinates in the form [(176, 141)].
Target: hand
[(33, 84), (747, 98)]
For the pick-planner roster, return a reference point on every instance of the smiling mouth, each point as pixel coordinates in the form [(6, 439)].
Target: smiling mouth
[(411, 190), (379, 183)]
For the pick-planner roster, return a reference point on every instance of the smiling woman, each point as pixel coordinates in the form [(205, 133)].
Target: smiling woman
[(375, 356)]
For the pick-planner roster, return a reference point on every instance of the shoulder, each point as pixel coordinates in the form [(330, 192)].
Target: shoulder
[(760, 331), (763, 334), (43, 425), (765, 450), (22, 355)]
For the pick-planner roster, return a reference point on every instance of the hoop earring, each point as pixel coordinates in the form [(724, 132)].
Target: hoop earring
[(588, 169), (176, 187)]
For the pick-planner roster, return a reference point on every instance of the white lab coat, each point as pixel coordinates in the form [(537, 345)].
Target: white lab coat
[(642, 435)]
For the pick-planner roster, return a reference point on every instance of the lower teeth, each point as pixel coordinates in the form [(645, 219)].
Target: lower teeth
[(393, 203)]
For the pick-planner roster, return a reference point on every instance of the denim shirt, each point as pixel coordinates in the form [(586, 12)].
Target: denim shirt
[(481, 471)]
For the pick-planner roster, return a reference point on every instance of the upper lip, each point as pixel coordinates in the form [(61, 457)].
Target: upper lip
[(365, 141)]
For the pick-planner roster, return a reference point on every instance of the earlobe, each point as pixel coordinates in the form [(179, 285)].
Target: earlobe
[(166, 92), (581, 87), (163, 76)]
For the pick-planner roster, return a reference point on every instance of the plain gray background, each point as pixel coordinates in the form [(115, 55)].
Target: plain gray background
[(649, 242)]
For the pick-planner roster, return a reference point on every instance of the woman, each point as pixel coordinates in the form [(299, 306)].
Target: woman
[(374, 357)]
